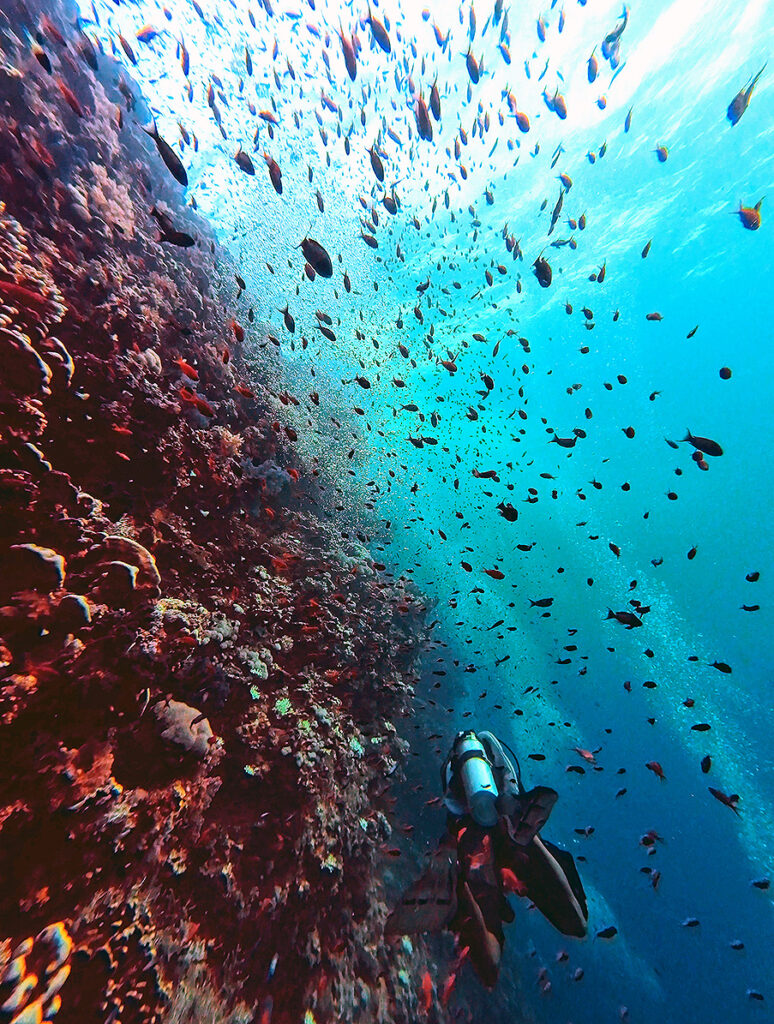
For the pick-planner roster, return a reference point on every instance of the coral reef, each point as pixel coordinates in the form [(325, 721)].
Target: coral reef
[(33, 974), (199, 678)]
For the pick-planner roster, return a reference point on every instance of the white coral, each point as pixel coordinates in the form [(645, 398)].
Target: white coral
[(111, 200)]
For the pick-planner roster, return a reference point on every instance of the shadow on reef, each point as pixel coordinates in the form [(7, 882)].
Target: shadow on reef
[(198, 677)]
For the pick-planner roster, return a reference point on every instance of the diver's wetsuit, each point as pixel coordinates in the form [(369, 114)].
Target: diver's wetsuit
[(484, 893), (462, 888), (483, 881)]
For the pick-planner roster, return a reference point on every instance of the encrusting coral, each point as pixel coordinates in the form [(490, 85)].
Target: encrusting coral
[(198, 679)]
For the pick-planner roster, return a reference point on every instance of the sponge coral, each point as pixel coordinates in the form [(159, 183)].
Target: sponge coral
[(184, 726)]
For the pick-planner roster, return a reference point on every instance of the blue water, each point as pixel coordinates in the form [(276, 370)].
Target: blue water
[(682, 63)]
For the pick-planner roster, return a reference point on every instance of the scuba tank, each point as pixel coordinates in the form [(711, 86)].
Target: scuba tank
[(475, 773)]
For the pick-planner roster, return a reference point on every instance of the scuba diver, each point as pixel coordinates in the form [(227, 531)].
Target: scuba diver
[(491, 846)]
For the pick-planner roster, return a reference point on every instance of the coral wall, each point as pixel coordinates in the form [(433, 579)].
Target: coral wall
[(199, 674)]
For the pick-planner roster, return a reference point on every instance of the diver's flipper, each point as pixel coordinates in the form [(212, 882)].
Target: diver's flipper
[(554, 886), (567, 864), (507, 912), (485, 948), (430, 903), (531, 814)]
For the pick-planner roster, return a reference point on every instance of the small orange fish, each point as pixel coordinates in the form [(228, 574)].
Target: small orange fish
[(52, 31), (244, 390), (72, 102), (656, 768), (461, 958), (239, 331), (447, 988), (268, 1006), (146, 33), (750, 216), (186, 368), (741, 101), (512, 883), (200, 404), (43, 153), (482, 856), (427, 992)]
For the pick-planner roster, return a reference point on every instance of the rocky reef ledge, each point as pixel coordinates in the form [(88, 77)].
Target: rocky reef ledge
[(199, 674)]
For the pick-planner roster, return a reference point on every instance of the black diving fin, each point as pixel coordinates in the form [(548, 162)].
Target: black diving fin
[(533, 811), (553, 885)]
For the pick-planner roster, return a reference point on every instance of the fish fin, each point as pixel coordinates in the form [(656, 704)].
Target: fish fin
[(754, 80)]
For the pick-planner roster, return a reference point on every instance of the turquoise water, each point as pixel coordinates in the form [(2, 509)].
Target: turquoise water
[(681, 63)]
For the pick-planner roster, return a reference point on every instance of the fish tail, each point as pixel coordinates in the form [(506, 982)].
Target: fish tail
[(755, 79), (688, 435), (610, 614)]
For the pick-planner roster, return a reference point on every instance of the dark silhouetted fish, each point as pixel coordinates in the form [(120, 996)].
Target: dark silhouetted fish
[(168, 155), (543, 272), (741, 101), (168, 232), (704, 444)]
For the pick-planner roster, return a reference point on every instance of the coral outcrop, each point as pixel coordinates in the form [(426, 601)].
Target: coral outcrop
[(199, 674)]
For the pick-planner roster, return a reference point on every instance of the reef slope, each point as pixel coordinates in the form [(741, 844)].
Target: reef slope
[(200, 674)]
